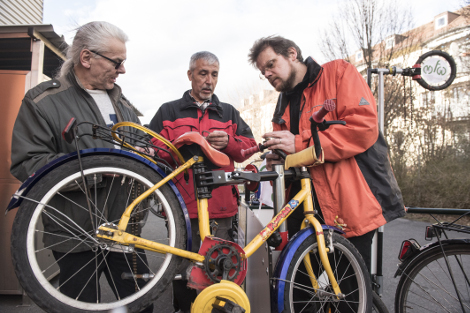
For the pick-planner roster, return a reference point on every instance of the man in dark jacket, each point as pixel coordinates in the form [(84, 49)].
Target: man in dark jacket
[(201, 111), (85, 89)]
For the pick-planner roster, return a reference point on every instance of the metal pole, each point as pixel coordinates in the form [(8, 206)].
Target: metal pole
[(377, 242), (380, 96), (279, 189)]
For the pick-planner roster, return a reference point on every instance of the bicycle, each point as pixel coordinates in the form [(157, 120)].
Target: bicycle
[(435, 276), (148, 224)]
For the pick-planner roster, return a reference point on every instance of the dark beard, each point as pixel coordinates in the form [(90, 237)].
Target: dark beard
[(289, 83)]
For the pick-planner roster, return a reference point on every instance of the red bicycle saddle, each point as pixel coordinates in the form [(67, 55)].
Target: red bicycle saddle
[(215, 156)]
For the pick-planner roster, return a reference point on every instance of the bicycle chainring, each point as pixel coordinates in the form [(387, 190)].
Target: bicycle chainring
[(222, 262)]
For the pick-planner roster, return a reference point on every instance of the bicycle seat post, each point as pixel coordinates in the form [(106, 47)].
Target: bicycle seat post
[(279, 187)]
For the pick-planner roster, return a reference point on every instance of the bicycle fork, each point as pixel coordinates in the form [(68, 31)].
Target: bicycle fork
[(322, 249), (304, 195)]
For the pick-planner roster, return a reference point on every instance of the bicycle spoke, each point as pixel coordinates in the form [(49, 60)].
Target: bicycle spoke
[(74, 224), (112, 278), (430, 297), (427, 285), (91, 260), (80, 206), (66, 239)]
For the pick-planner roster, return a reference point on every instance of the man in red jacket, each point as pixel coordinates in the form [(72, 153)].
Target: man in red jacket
[(356, 184), (200, 110)]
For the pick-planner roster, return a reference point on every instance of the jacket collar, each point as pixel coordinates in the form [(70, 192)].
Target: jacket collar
[(114, 93), (189, 103), (314, 72)]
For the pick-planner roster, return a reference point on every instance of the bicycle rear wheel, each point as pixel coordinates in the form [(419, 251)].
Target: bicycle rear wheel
[(350, 273), (426, 286), (58, 259)]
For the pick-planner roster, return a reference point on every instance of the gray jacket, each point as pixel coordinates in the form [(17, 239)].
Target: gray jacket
[(45, 111), (37, 140)]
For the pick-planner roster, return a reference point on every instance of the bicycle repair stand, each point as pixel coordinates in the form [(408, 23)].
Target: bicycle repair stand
[(376, 261), (261, 264), (376, 265), (255, 293)]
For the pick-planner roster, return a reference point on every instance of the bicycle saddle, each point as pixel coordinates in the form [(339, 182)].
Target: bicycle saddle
[(215, 156)]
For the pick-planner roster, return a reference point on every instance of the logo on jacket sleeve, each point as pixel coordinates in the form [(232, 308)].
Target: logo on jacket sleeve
[(363, 102)]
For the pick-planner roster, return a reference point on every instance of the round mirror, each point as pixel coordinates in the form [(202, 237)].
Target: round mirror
[(438, 70)]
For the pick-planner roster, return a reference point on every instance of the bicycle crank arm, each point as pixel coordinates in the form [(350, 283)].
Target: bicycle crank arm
[(124, 238)]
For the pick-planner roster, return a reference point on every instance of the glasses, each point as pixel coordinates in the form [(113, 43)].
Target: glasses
[(269, 66), (118, 64)]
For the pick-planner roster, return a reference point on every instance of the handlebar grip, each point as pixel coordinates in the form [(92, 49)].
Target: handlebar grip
[(249, 151), (328, 106), (280, 153)]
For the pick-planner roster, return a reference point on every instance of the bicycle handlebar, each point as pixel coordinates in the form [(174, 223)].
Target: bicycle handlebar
[(316, 119), (252, 150), (328, 106)]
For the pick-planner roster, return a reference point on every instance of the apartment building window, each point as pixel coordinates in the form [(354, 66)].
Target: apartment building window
[(459, 93), (440, 22), (359, 56), (427, 98)]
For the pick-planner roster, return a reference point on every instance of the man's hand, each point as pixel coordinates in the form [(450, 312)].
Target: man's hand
[(218, 139), (148, 151), (271, 159), (282, 140)]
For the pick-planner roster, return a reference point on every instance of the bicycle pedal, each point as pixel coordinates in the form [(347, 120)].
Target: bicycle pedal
[(222, 305), (214, 226)]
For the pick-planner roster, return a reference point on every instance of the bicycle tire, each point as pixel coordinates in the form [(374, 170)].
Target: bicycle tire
[(451, 77), (377, 304), (112, 179), (350, 272), (425, 284)]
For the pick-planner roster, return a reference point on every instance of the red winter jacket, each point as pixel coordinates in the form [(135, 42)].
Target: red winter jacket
[(356, 183), (183, 115)]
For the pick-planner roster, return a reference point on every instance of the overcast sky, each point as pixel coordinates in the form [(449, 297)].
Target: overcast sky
[(164, 34)]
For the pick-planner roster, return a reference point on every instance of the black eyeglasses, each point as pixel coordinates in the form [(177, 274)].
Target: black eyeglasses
[(118, 64)]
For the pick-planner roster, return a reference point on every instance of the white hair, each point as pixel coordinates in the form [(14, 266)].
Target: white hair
[(93, 36), (205, 55)]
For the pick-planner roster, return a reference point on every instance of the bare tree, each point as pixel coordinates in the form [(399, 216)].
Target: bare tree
[(383, 32), (365, 25), (379, 29)]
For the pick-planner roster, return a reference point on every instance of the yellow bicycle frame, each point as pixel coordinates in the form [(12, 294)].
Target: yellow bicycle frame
[(303, 196)]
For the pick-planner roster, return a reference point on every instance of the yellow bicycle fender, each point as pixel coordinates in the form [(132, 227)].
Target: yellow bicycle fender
[(225, 289), (147, 131)]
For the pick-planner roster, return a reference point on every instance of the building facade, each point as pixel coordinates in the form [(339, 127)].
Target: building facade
[(257, 111), (24, 12)]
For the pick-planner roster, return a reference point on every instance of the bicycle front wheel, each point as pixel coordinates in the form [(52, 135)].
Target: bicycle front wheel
[(378, 306), (350, 273), (61, 263), (426, 285)]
